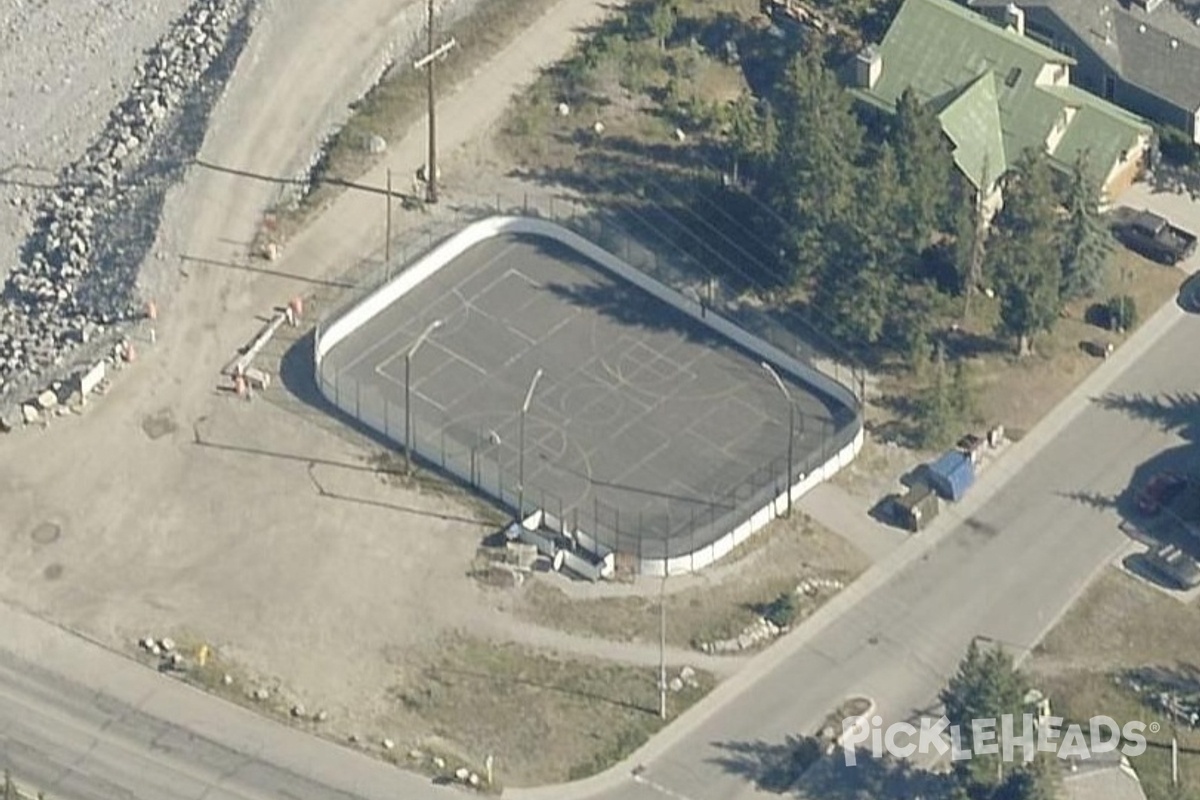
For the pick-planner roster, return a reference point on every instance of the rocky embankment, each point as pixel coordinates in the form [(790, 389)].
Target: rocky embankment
[(76, 280)]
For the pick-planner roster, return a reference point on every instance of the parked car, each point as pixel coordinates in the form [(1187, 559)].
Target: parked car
[(1156, 238), (1175, 567), (1159, 491)]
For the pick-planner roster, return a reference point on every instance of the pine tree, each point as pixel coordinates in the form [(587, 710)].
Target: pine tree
[(814, 170), (966, 400), (1023, 253), (1087, 242), (937, 408), (857, 291), (987, 686), (749, 138), (926, 166), (661, 21)]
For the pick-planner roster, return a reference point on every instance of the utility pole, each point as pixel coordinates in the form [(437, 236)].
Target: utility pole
[(431, 55), (387, 245)]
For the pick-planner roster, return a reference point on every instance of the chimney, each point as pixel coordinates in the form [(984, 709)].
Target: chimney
[(868, 66), (1147, 5), (1014, 17)]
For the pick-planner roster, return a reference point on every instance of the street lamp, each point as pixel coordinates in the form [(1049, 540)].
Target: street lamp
[(662, 644), (791, 476), (537, 376), (408, 356)]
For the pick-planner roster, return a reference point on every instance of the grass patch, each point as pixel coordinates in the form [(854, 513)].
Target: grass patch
[(714, 606), (544, 719), (1122, 625)]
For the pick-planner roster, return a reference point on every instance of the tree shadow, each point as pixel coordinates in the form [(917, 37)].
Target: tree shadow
[(1173, 413), (798, 768)]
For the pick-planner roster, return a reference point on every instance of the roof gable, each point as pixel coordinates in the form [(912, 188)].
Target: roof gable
[(972, 122), (983, 83)]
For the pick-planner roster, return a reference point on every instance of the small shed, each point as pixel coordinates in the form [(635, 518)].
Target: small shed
[(917, 507), (952, 475)]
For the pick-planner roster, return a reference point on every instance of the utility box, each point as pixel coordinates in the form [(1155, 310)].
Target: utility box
[(952, 475), (917, 507)]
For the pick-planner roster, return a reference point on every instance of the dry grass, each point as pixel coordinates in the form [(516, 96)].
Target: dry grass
[(543, 718), (717, 604), (398, 101), (1121, 624)]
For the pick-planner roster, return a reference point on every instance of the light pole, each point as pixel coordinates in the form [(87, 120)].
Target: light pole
[(662, 645), (537, 376), (408, 356), (791, 476)]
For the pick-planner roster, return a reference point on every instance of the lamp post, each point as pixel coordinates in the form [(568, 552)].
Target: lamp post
[(791, 430), (537, 376), (408, 356), (662, 645)]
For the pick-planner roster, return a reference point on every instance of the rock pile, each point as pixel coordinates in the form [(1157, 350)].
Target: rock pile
[(763, 630), (77, 276)]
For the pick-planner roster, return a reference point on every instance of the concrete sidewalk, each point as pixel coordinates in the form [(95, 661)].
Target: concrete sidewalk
[(846, 515)]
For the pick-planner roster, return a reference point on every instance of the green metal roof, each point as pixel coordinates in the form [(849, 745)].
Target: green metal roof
[(981, 79), (1101, 129), (972, 122)]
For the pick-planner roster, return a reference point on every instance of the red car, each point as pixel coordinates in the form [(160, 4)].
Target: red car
[(1159, 491)]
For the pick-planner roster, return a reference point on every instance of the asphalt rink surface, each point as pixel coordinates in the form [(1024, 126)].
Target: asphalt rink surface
[(646, 429)]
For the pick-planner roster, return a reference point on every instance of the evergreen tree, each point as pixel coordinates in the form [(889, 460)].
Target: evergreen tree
[(857, 291), (926, 168), (966, 400), (970, 237), (661, 21), (1023, 253), (1087, 242), (813, 172), (1035, 780), (937, 409), (987, 686), (751, 135)]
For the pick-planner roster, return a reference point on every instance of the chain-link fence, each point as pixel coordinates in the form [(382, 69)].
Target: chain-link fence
[(492, 460)]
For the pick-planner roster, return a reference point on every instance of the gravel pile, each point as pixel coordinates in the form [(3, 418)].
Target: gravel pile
[(76, 277)]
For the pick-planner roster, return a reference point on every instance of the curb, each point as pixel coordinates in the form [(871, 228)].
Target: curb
[(989, 483)]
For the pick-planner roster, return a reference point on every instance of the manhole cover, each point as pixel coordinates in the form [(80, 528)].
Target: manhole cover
[(53, 572), (159, 424), (46, 533)]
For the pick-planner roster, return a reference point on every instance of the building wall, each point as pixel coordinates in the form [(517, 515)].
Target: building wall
[(1124, 173)]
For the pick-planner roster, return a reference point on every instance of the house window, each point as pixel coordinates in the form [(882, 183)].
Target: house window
[(1110, 87), (1013, 76)]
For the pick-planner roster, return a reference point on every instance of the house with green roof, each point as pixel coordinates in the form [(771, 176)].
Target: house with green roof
[(997, 94)]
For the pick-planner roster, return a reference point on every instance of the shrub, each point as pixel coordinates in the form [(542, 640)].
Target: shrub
[(1176, 148), (1121, 313), (781, 611)]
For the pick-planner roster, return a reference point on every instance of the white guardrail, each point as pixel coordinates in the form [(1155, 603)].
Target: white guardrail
[(329, 336)]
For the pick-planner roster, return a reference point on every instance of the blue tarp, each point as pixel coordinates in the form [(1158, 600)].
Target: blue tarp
[(952, 474)]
